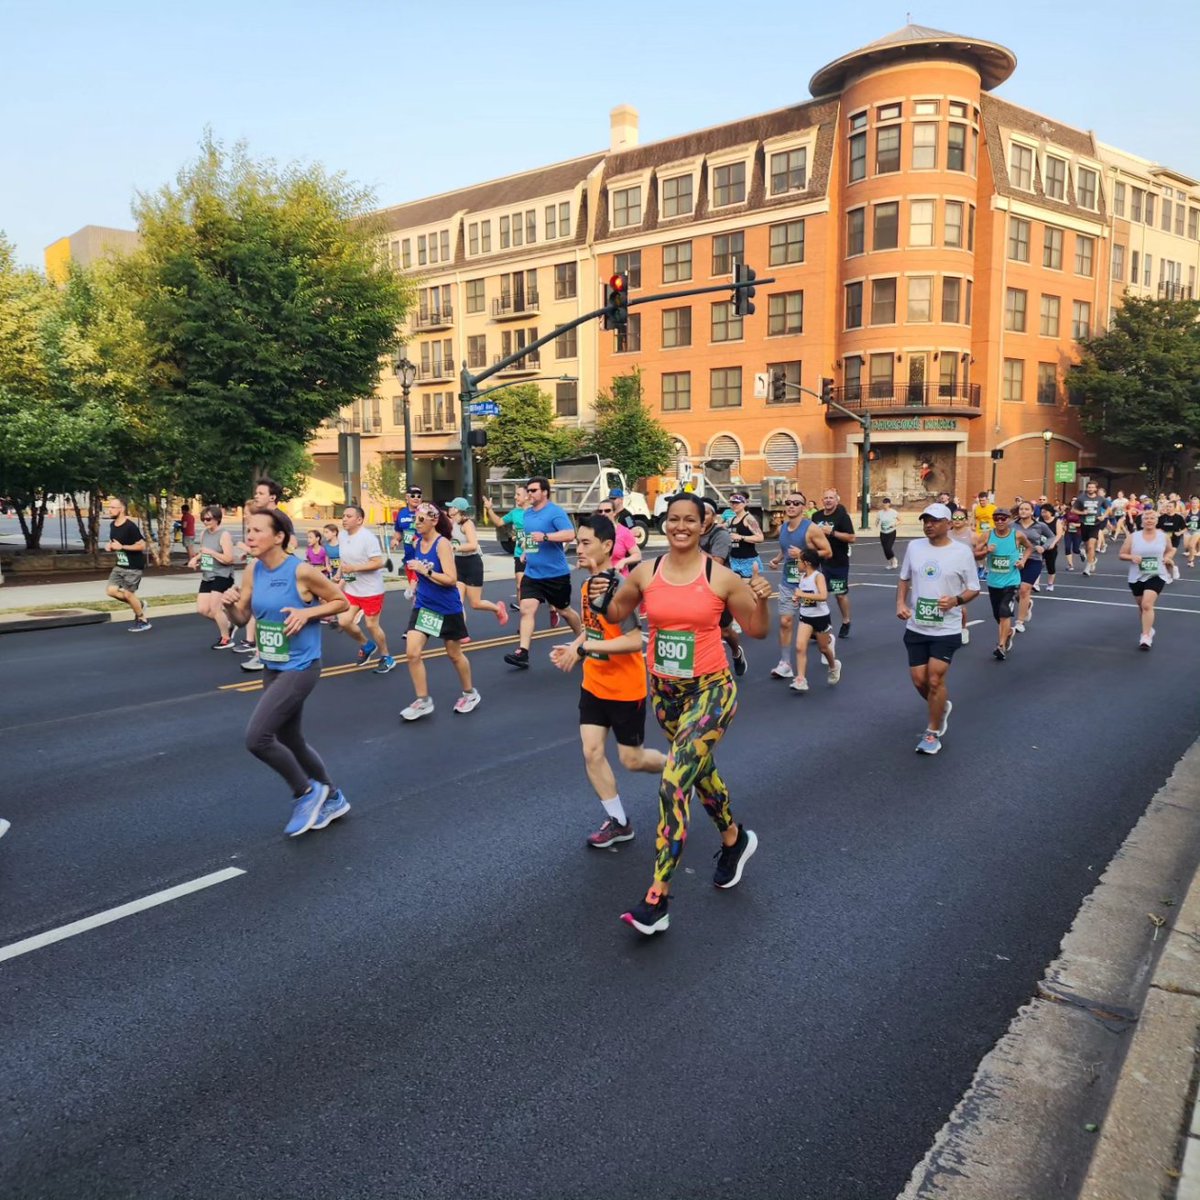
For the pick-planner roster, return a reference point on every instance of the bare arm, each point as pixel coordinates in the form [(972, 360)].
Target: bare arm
[(237, 599), (311, 584), (746, 599), (818, 541), (470, 544), (629, 594)]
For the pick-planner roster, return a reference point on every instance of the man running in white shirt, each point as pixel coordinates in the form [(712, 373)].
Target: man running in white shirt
[(361, 578)]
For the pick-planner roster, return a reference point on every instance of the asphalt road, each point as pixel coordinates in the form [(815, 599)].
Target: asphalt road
[(435, 998)]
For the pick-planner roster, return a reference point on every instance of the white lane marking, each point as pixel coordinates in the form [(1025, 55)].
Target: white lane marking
[(1195, 612), (115, 914)]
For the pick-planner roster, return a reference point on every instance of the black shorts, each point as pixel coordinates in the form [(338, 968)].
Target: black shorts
[(1153, 584), (818, 624), (1004, 601), (519, 566), (1089, 533), (554, 591), (837, 580), (626, 718), (222, 583), (922, 647), (470, 569), (454, 625)]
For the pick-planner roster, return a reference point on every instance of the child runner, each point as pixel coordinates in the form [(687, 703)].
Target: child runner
[(812, 603)]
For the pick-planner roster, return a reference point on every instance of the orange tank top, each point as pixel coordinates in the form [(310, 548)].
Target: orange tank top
[(685, 629), (616, 677)]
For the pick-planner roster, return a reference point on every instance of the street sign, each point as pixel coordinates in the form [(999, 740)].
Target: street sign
[(485, 408), (1064, 472), (762, 385)]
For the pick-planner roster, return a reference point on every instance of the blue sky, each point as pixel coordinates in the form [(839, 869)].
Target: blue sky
[(100, 100)]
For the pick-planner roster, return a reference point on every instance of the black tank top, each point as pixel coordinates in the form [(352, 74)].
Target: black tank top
[(743, 549)]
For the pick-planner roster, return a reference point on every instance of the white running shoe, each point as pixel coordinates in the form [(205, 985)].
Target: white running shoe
[(782, 670), (5, 826), (946, 719), (409, 592), (1050, 587), (1144, 642), (798, 685), (835, 672), (966, 636), (1019, 626), (422, 706), (468, 701), (1175, 571)]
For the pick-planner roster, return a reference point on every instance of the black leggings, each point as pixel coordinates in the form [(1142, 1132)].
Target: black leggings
[(274, 733), (1050, 559), (888, 542)]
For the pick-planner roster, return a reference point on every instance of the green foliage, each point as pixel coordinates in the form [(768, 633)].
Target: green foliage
[(628, 433), (523, 437), (385, 480)]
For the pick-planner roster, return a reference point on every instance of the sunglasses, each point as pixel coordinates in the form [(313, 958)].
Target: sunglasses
[(605, 512), (792, 503), (959, 520), (998, 517)]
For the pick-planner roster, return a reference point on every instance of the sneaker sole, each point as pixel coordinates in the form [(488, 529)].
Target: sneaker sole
[(341, 812), (624, 837), (921, 750), (517, 663), (416, 716), (660, 926), (751, 846), (464, 711)]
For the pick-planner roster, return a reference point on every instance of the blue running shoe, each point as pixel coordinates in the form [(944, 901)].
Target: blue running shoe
[(386, 664), (336, 806), (307, 809), (366, 652)]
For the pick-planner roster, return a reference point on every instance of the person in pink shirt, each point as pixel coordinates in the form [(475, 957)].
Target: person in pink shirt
[(625, 555)]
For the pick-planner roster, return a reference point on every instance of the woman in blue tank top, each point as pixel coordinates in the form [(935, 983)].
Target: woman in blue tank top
[(287, 598)]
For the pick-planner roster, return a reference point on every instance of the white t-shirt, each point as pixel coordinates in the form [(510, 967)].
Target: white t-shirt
[(1148, 553), (934, 572), (356, 548), (889, 518)]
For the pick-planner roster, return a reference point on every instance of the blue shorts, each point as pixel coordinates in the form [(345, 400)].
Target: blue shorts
[(1031, 570), (745, 566)]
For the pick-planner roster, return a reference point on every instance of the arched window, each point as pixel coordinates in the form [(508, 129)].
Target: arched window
[(782, 453), (725, 447)]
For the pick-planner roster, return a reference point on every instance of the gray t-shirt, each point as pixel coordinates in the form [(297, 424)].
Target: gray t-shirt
[(1038, 534), (210, 568), (717, 542)]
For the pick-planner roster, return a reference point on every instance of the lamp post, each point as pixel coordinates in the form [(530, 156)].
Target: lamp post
[(1047, 438), (406, 373)]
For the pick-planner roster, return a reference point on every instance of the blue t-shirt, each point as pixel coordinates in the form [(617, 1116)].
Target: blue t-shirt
[(1001, 560), (404, 527), (273, 591), (793, 568), (546, 560)]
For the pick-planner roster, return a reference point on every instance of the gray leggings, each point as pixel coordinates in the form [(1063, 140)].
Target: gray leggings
[(274, 734)]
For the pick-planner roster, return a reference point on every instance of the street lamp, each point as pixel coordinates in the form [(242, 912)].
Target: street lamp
[(406, 373), (1047, 438)]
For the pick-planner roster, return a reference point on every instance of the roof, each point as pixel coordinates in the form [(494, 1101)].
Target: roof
[(913, 43)]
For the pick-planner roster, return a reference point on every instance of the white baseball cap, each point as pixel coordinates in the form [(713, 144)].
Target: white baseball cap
[(939, 512)]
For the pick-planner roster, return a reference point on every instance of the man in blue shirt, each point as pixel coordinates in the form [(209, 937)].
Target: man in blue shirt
[(406, 534), (547, 578)]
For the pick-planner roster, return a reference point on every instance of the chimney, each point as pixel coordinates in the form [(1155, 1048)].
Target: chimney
[(623, 124)]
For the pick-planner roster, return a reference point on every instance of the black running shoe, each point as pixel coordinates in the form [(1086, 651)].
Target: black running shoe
[(731, 859), (518, 658), (649, 918), (999, 654), (844, 632), (739, 662)]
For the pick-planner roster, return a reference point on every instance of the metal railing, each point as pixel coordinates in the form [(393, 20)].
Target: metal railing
[(421, 424), (531, 362), (1174, 291), (864, 397), (439, 368), (515, 306), (436, 318)]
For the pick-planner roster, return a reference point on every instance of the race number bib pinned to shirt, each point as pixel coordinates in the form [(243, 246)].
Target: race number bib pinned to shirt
[(791, 571), (1000, 562), (122, 559), (1148, 564), (597, 635), (206, 563), (675, 653), (929, 612), (272, 642), (527, 544), (429, 623), (837, 586)]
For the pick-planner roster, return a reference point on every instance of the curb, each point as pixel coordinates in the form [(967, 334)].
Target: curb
[(59, 618)]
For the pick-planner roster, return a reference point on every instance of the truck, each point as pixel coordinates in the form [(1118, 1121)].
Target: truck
[(577, 485), (714, 480)]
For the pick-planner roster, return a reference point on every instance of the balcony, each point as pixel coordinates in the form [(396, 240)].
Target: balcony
[(908, 399), (531, 364), (521, 305), (1174, 291), (426, 322), (436, 371), (423, 426)]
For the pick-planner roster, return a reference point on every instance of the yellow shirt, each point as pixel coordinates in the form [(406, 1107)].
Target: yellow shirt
[(985, 517)]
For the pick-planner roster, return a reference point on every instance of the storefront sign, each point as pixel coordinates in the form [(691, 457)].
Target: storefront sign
[(1064, 472), (904, 424)]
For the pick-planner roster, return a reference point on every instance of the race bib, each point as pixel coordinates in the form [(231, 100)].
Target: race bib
[(429, 623), (349, 577), (272, 642), (410, 537), (929, 612), (1001, 562), (122, 559), (206, 563), (791, 571), (527, 544), (596, 635), (837, 587), (809, 601), (675, 653), (1148, 564)]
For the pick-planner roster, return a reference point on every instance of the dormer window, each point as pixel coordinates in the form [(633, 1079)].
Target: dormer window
[(729, 184), (627, 207), (1056, 178), (677, 196), (789, 171)]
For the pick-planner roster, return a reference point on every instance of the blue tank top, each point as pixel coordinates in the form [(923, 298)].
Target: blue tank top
[(275, 590), (1002, 560), (793, 568), (436, 597)]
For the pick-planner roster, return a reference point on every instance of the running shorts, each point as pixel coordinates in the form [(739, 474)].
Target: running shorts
[(1089, 533), (470, 569), (371, 606), (626, 718), (518, 566), (125, 578), (922, 647), (219, 583), (554, 590), (454, 625), (1004, 601), (744, 567), (1031, 570), (817, 624), (837, 580), (1153, 584)]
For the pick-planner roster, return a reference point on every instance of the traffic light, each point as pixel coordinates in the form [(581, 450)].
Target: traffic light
[(743, 297), (778, 386), (826, 391), (616, 302)]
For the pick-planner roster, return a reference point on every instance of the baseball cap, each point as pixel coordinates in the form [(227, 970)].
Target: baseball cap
[(616, 494), (1001, 511), (461, 503), (939, 512)]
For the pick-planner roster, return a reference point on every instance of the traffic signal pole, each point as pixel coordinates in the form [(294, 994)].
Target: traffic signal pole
[(864, 419)]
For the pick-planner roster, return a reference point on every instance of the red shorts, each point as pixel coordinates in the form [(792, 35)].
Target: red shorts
[(372, 606)]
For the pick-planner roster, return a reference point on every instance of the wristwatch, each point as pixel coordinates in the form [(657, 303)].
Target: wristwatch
[(581, 650)]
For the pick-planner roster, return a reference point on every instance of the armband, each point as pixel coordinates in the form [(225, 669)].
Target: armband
[(600, 605)]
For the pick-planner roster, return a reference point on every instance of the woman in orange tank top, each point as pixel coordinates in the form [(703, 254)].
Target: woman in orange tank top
[(694, 697)]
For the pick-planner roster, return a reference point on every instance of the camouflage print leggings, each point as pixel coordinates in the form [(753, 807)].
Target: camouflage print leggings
[(694, 714)]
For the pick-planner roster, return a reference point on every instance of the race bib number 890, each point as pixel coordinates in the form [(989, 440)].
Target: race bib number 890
[(675, 653)]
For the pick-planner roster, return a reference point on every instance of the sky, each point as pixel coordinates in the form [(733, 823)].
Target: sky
[(100, 101)]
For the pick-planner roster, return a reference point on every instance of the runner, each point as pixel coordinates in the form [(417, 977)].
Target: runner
[(547, 576), (797, 533), (404, 534), (437, 612), (746, 535), (1191, 519), (187, 528), (889, 522), (622, 516), (127, 541), (694, 694), (266, 498), (315, 554), (1039, 535), (1053, 522), (1102, 527), (468, 561), (333, 556), (287, 598), (983, 512), (215, 560), (963, 533), (717, 542), (812, 602), (1006, 550), (1173, 523), (613, 693), (1088, 505), (839, 529), (361, 576), (515, 520), (1072, 523), (625, 552), (940, 573), (1150, 556)]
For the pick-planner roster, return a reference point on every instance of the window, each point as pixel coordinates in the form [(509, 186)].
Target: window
[(887, 150), (883, 302), (504, 233), (422, 251), (1119, 199), (627, 207), (531, 226), (924, 150), (551, 222), (789, 172), (433, 247), (956, 148), (1047, 383), (856, 231), (676, 327), (971, 227), (632, 340), (1014, 310), (1056, 178), (566, 345), (888, 112), (1081, 319), (951, 300), (729, 249), (926, 108), (785, 313), (677, 391), (858, 157), (858, 121), (920, 298), (954, 223), (854, 305), (948, 374), (970, 292), (1085, 250), (787, 243), (1020, 167), (1147, 271), (1193, 224), (444, 239), (1014, 380), (1179, 216), (1086, 187), (883, 376), (476, 298), (518, 229), (406, 253), (485, 237), (958, 108), (921, 215), (1049, 325), (1052, 247), (1134, 265), (726, 324), (1018, 239), (1166, 215), (677, 262), (725, 387), (677, 196), (564, 219), (1118, 262), (791, 376), (1135, 204), (852, 377), (473, 238), (477, 351), (629, 265), (887, 226), (1151, 198), (565, 281), (729, 184)]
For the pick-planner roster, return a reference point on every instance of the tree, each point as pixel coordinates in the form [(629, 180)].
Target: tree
[(628, 433), (385, 480), (268, 307), (1139, 383), (523, 437)]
